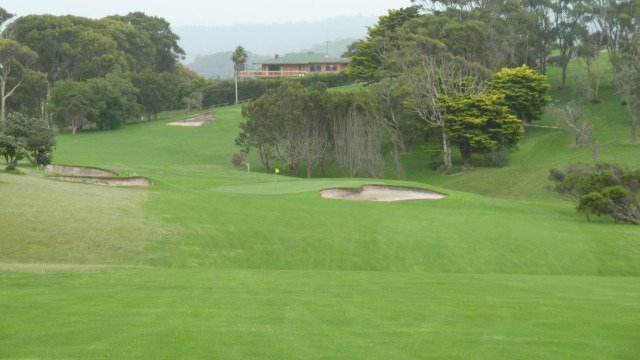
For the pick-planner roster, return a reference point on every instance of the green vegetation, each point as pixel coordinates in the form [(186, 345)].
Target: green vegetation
[(230, 264), (27, 137), (214, 261), (524, 90), (601, 189)]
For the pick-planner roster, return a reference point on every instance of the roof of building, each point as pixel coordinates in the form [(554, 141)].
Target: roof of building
[(303, 58)]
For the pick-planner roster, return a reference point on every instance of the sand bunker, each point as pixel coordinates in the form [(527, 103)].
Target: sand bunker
[(77, 170), (197, 120), (94, 176), (128, 182), (381, 193)]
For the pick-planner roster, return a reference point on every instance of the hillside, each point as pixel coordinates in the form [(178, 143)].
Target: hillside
[(213, 261)]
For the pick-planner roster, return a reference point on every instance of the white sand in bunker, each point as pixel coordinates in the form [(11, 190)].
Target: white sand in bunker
[(197, 120), (95, 176), (77, 170), (129, 182), (381, 193)]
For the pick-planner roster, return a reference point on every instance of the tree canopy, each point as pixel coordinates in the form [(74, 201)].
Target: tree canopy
[(524, 90), (480, 123), (15, 63)]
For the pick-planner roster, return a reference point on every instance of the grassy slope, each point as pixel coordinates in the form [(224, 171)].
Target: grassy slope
[(245, 268), (203, 313)]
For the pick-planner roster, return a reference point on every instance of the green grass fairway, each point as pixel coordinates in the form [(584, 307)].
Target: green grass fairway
[(210, 314), (215, 262)]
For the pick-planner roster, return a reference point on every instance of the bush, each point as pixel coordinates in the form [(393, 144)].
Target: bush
[(496, 158), (43, 159), (13, 150), (37, 139), (601, 189)]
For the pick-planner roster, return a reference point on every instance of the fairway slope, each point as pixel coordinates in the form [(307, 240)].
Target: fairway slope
[(213, 261)]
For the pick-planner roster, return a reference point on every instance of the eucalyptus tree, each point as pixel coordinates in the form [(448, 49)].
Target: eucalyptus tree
[(78, 48), (540, 36), (627, 80), (356, 127), (432, 72), (164, 42), (494, 33), (392, 94), (69, 47), (369, 57), (31, 97), (4, 16), (588, 51), (135, 45), (15, 63), (156, 92), (567, 26), (70, 104), (239, 58), (620, 22)]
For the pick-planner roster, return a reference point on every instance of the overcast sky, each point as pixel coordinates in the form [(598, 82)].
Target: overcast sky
[(209, 12)]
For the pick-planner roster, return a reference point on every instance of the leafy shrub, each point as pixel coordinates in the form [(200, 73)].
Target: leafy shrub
[(601, 189), (37, 138), (13, 150), (496, 158)]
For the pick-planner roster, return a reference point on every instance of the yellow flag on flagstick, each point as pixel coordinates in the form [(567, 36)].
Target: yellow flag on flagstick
[(277, 171)]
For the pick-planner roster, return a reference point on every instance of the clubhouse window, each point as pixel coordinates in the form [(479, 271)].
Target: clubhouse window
[(316, 67), (332, 67)]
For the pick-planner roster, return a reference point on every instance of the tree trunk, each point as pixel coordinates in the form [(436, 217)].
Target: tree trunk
[(465, 152), (446, 151), (236, 83), (595, 152), (3, 99), (564, 75), (31, 160)]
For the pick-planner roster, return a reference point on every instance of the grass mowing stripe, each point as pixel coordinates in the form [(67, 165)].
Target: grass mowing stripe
[(168, 313)]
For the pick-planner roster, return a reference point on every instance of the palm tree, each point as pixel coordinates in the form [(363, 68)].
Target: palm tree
[(239, 58)]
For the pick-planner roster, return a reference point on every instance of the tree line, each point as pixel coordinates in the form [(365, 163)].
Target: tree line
[(496, 34), (305, 126), (465, 74), (76, 73), (420, 85)]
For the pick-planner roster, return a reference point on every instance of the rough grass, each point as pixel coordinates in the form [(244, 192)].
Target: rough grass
[(230, 264), (46, 221)]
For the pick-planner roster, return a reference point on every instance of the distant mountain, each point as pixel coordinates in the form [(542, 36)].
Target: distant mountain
[(332, 48), (269, 38), (219, 65)]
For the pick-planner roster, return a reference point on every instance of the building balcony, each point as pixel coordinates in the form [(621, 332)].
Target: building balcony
[(263, 74)]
